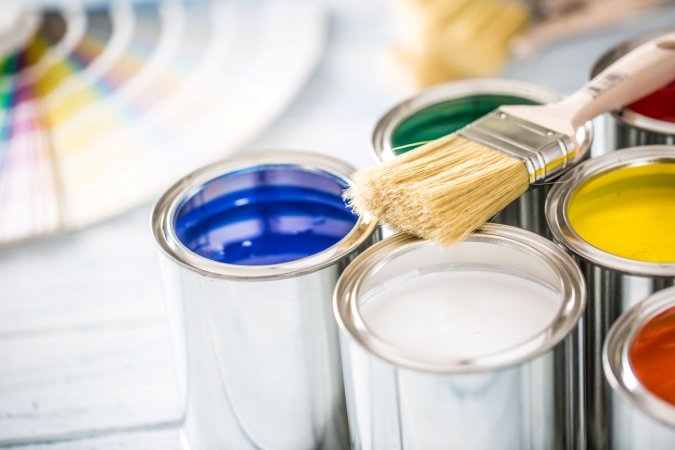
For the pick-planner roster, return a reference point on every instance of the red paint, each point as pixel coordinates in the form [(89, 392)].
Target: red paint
[(652, 355), (659, 105)]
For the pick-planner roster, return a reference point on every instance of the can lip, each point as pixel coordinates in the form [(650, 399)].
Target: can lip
[(615, 356), (625, 115), (165, 209), (560, 194), (381, 148), (351, 282)]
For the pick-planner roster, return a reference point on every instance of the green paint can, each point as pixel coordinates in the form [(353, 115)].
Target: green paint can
[(445, 109)]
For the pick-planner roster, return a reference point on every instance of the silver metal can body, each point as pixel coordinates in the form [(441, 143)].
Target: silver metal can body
[(445, 109), (639, 419), (625, 128), (256, 345), (527, 397), (614, 283), (262, 366), (610, 293)]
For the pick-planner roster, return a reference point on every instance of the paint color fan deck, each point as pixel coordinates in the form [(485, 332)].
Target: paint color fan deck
[(101, 108)]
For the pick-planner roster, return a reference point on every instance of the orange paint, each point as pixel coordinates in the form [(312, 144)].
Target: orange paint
[(652, 355)]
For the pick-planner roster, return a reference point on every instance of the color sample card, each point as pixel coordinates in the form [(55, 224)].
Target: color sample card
[(103, 107)]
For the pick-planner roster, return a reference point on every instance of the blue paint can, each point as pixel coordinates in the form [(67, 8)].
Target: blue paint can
[(251, 250), (270, 214)]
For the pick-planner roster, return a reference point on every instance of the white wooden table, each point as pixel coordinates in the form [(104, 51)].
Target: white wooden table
[(85, 361)]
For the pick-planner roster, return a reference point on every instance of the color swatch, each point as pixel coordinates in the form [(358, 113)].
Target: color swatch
[(105, 106)]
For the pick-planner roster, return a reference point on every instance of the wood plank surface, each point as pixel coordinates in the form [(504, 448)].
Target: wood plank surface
[(160, 439)]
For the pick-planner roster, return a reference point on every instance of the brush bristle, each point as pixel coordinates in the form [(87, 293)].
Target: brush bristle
[(442, 190)]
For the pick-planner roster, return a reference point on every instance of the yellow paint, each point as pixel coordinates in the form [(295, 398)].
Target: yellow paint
[(628, 212)]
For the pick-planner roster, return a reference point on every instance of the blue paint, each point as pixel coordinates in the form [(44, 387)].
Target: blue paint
[(265, 215)]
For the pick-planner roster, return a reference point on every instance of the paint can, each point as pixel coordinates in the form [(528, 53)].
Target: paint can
[(616, 215), (648, 121), (639, 366), (251, 250), (469, 346), (446, 108)]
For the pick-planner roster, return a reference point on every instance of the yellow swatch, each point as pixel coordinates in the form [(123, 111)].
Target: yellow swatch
[(628, 212)]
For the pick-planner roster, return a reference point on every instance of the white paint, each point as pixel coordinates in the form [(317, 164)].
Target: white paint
[(460, 314)]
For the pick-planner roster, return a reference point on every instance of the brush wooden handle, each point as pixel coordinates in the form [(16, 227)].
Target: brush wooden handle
[(594, 14), (638, 73)]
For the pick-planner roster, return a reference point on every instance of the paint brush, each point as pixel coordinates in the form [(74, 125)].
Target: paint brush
[(446, 188)]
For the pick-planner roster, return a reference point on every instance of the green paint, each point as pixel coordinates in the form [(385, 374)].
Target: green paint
[(446, 117)]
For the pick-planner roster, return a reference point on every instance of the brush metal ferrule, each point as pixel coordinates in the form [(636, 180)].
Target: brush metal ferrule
[(545, 152)]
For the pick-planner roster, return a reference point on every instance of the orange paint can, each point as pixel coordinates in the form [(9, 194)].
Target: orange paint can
[(639, 365)]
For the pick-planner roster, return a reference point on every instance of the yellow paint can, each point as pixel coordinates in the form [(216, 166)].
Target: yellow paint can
[(616, 214), (629, 212)]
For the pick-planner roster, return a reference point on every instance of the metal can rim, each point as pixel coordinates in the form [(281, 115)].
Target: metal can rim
[(615, 357), (165, 209), (559, 196), (574, 301), (381, 149), (627, 116)]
